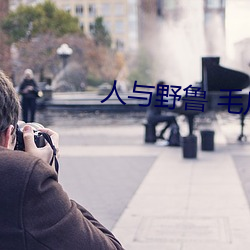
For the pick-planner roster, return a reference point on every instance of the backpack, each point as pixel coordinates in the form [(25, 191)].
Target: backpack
[(174, 136)]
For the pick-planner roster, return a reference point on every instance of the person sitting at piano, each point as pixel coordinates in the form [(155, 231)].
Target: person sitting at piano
[(155, 115)]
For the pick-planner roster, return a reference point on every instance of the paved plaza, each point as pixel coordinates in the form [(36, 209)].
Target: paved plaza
[(149, 195)]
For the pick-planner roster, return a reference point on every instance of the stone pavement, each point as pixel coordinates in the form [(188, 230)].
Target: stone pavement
[(177, 203), (189, 204)]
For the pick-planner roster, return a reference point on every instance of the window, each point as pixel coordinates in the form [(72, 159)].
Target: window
[(119, 27), (119, 44), (132, 10), (79, 10), (91, 27), (82, 26), (215, 4), (170, 4), (119, 9), (92, 10), (132, 26), (107, 25), (106, 9)]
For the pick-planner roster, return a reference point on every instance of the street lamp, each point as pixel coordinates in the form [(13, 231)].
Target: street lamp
[(64, 51)]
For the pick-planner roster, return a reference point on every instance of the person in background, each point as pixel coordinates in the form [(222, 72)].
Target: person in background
[(29, 92), (155, 113), (35, 212)]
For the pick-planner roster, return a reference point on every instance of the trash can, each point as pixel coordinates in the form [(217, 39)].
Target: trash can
[(207, 140), (189, 146), (150, 133)]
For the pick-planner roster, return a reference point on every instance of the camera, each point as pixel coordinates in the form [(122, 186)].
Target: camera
[(38, 137)]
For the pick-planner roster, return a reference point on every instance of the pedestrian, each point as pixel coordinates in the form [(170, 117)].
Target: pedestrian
[(29, 92), (157, 113), (35, 212)]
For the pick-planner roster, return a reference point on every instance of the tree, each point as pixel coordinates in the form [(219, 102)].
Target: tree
[(42, 18), (95, 64), (142, 69), (100, 33)]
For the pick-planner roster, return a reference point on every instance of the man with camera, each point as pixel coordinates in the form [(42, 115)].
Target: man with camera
[(35, 212)]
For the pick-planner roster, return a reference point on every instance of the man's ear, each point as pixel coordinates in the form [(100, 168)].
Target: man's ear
[(7, 140)]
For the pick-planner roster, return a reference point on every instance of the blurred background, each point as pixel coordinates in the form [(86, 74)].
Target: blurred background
[(126, 40)]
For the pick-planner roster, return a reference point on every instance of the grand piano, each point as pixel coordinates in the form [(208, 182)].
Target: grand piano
[(214, 79)]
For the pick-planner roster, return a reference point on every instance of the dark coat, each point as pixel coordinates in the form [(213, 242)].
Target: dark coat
[(31, 94), (36, 214), (154, 106)]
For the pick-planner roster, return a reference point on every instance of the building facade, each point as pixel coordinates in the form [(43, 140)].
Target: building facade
[(120, 18)]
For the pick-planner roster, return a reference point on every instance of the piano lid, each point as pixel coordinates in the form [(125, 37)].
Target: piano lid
[(216, 77)]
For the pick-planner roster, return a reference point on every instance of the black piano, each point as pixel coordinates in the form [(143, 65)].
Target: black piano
[(216, 78)]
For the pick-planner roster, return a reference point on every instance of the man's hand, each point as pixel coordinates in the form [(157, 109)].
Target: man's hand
[(28, 89), (45, 153)]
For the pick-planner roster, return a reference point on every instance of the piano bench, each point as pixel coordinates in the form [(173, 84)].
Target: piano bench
[(150, 132)]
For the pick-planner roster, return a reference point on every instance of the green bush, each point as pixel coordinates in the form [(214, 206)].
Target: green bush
[(93, 81)]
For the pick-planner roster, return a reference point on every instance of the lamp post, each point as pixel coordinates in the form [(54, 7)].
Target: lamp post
[(64, 51)]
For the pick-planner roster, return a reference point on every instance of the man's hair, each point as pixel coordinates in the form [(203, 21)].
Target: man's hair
[(9, 104)]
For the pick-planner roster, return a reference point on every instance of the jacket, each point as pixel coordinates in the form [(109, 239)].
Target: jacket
[(30, 94), (36, 214)]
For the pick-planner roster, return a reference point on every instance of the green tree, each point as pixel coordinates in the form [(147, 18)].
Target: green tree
[(42, 18), (100, 33)]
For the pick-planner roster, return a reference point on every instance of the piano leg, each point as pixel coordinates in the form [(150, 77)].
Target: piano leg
[(242, 137), (190, 123)]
